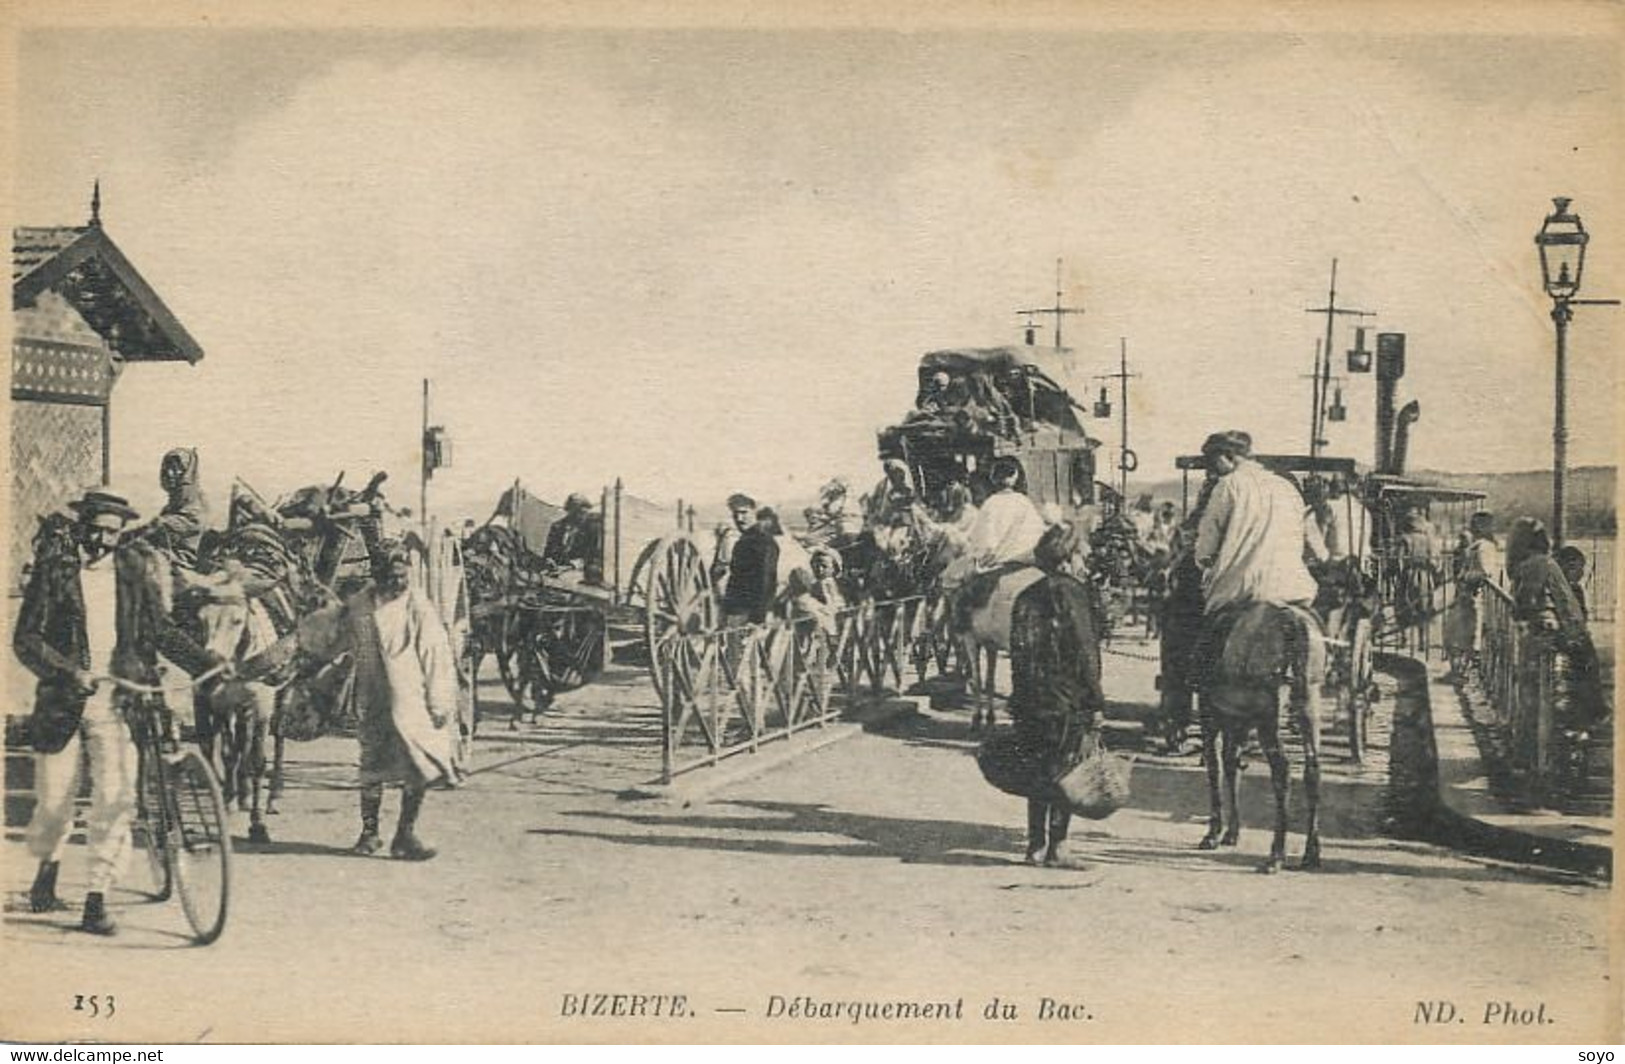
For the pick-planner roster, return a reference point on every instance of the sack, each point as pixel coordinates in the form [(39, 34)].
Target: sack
[(1014, 766), (1098, 785)]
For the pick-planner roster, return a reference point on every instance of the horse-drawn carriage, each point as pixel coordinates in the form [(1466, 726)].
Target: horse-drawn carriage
[(553, 622), (544, 621)]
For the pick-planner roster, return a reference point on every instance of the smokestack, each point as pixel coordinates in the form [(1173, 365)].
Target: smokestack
[(1390, 367), (1402, 437)]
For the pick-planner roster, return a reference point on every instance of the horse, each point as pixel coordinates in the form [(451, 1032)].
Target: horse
[(1267, 648)]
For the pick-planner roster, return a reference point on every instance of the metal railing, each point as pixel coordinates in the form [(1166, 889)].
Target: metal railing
[(1518, 676), (729, 691)]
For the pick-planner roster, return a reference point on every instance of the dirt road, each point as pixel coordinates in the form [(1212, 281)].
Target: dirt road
[(870, 890)]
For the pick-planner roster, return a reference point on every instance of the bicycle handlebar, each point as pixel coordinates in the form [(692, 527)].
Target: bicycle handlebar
[(153, 689)]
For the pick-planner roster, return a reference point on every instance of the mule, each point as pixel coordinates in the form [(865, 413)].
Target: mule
[(1269, 647)]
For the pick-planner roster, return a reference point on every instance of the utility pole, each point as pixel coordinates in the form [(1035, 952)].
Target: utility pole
[(1127, 460), (1059, 309), (423, 466), (1323, 361)]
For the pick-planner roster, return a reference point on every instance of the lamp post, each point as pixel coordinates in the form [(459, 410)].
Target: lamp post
[(1562, 242)]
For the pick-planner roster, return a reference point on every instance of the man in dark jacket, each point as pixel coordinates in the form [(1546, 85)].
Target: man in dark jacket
[(1055, 694), (577, 539), (93, 609), (752, 577)]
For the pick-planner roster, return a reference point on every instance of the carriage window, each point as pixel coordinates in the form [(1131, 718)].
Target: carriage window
[(1083, 478)]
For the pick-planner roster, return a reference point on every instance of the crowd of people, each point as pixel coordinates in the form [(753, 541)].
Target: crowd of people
[(98, 604)]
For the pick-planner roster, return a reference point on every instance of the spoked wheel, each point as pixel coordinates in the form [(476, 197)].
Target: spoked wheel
[(202, 845), (678, 602), (519, 660), (571, 640), (151, 836)]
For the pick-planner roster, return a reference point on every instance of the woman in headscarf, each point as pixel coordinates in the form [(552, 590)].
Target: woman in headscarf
[(1055, 692), (179, 527)]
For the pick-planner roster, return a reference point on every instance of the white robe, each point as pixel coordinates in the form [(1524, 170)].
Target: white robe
[(1008, 526), (1251, 541)]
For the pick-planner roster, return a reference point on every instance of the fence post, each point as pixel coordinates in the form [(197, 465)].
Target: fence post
[(668, 740)]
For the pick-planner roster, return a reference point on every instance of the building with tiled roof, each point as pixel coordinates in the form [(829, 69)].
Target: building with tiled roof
[(80, 313)]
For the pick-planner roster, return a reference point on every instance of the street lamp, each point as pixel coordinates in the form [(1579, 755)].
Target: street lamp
[(1562, 242)]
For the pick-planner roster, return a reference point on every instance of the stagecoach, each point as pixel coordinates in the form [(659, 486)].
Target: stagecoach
[(979, 404)]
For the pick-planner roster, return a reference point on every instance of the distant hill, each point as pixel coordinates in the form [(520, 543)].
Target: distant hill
[(1591, 495)]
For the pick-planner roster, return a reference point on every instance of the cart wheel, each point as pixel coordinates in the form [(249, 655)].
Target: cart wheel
[(637, 584), (572, 647), (679, 601), (519, 659)]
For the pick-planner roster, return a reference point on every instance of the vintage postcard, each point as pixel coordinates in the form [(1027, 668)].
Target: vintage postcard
[(812, 523)]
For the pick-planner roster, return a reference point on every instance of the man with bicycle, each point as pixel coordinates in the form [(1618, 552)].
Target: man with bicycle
[(94, 608)]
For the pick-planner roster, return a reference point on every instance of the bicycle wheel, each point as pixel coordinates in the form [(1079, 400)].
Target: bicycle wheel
[(151, 836), (202, 845)]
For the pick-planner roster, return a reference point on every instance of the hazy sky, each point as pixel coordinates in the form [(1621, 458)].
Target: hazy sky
[(704, 260)]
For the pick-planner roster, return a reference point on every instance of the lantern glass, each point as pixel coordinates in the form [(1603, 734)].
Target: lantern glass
[(1359, 361), (1337, 411), (1562, 243)]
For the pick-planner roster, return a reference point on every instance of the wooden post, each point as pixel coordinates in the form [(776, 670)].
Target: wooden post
[(615, 594), (107, 441)]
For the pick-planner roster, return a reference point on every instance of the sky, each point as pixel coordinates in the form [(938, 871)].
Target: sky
[(709, 260)]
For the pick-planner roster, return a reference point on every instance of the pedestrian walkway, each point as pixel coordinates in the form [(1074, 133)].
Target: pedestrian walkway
[(1488, 819)]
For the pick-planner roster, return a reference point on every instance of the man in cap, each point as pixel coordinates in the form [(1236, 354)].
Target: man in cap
[(753, 568), (1251, 541), (1055, 692), (577, 538), (93, 609), (405, 694)]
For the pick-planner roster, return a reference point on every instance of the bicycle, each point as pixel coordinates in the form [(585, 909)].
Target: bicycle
[(180, 814)]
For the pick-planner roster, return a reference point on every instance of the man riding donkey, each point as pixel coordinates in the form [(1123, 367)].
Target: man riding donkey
[(1251, 544), (996, 567), (96, 607)]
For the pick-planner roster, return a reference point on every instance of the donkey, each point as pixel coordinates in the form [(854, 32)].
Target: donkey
[(1269, 647), (238, 712)]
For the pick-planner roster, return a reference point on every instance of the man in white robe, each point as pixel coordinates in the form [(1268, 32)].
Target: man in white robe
[(405, 692)]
